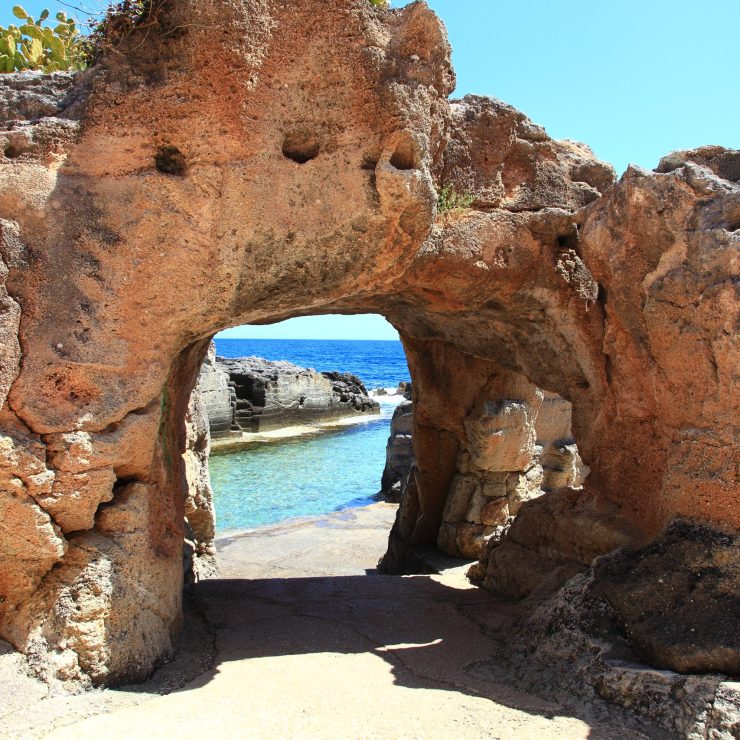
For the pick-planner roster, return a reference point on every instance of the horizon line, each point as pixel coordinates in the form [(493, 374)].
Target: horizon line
[(310, 339)]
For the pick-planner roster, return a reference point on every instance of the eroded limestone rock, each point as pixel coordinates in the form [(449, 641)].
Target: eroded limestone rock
[(162, 200), (200, 513), (217, 396), (29, 96), (110, 617), (399, 452), (654, 590), (148, 171), (504, 160), (504, 464)]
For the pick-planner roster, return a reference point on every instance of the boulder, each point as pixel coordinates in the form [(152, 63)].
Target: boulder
[(653, 592)]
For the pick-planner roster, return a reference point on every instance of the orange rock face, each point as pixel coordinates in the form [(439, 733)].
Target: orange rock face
[(159, 199)]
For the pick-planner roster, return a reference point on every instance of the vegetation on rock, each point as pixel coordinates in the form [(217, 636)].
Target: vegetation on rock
[(34, 45), (450, 200)]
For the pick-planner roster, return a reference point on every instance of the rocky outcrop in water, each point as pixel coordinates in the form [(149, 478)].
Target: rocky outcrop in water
[(399, 451), (217, 394), (300, 175), (251, 394)]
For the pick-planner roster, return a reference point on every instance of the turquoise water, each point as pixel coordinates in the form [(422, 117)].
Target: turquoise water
[(310, 476)]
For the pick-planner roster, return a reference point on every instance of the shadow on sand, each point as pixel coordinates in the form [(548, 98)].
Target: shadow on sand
[(432, 635)]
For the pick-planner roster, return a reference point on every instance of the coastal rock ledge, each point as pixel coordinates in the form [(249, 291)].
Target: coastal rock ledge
[(251, 394), (154, 200)]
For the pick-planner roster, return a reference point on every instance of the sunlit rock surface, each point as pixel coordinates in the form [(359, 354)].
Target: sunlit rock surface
[(251, 394), (154, 200)]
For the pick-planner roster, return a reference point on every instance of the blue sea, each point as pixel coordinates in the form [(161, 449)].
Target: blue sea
[(321, 473), (379, 363)]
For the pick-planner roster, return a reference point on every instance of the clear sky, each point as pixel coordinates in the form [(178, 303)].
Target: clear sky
[(365, 326), (634, 79)]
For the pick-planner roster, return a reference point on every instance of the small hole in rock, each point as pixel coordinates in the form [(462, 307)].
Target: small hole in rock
[(403, 158), (171, 161), (12, 151), (568, 241), (301, 147)]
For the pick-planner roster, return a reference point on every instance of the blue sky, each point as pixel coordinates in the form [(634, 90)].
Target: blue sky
[(365, 326), (634, 79)]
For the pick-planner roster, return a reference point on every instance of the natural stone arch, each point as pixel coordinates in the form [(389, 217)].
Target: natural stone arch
[(299, 176)]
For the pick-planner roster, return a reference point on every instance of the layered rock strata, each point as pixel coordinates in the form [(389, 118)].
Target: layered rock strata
[(516, 450), (251, 394), (300, 176)]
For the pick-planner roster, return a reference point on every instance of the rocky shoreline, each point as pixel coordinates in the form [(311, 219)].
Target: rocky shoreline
[(241, 403), (310, 164), (253, 395)]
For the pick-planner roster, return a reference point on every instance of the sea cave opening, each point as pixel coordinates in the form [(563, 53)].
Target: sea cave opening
[(296, 430), (309, 491)]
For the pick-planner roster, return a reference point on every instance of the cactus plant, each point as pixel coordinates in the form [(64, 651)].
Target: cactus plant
[(33, 45)]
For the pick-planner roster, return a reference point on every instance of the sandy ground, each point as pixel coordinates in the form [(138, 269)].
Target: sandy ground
[(302, 639)]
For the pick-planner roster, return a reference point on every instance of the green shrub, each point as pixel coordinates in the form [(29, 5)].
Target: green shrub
[(450, 200), (33, 45)]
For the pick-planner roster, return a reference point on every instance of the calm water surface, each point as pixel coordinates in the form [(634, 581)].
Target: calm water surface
[(314, 475)]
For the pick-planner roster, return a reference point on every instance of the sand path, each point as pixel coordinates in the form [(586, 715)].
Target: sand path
[(311, 643)]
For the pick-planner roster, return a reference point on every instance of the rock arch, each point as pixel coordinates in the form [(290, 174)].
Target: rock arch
[(118, 269)]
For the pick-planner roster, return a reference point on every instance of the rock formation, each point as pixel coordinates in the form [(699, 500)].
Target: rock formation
[(251, 394), (516, 450), (504, 465), (299, 175), (217, 395), (200, 513), (399, 451)]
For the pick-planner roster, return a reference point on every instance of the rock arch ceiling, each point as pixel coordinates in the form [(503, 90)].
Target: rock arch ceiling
[(154, 199)]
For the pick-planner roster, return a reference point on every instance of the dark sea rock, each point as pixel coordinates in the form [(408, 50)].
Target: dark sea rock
[(399, 452), (251, 394)]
